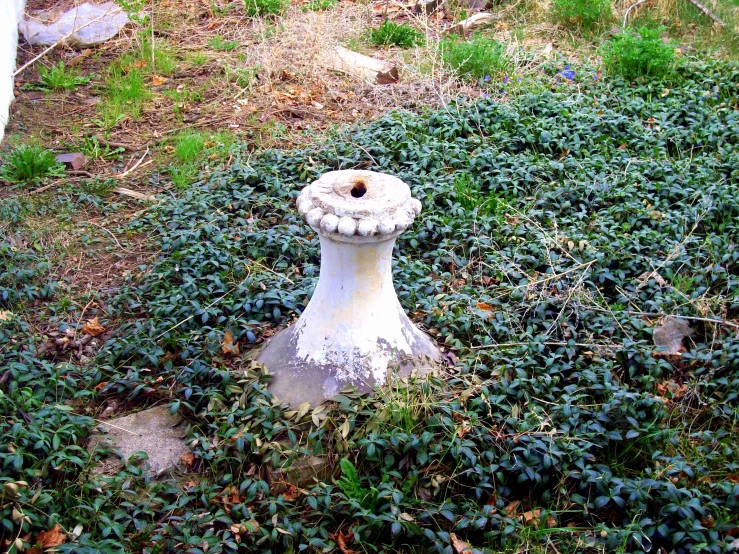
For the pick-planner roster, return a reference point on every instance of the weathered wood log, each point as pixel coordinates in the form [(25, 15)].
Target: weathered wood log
[(359, 65), (470, 24)]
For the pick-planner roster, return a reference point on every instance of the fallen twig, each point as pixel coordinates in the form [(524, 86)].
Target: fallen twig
[(716, 19), (42, 189), (134, 166), (134, 194), (548, 343), (688, 317), (107, 231), (111, 144)]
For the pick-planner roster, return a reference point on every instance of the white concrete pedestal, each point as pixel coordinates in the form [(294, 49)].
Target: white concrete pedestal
[(354, 330)]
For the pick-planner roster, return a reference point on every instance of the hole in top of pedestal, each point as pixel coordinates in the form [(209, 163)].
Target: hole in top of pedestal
[(359, 189)]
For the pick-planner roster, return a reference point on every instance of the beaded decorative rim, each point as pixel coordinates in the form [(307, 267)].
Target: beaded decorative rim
[(355, 203)]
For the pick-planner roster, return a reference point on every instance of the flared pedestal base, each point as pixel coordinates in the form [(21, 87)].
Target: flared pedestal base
[(299, 378)]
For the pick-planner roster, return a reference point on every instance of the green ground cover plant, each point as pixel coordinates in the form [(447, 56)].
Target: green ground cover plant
[(587, 15), (396, 34), (478, 58), (640, 54), (560, 423)]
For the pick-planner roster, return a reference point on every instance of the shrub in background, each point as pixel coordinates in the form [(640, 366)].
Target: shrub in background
[(478, 58), (390, 33), (584, 14), (639, 54)]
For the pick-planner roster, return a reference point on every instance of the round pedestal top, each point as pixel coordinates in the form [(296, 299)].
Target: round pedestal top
[(358, 204)]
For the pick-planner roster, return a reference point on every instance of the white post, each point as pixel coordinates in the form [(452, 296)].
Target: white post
[(353, 330), (11, 12)]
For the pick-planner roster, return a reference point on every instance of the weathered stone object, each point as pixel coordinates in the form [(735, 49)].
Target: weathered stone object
[(154, 431), (353, 330), (73, 161)]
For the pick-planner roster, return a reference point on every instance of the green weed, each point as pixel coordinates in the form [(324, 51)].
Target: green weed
[(582, 14), (135, 9), (197, 58), (59, 77), (29, 162), (92, 148), (350, 486), (97, 187), (193, 150), (477, 58), (243, 77), (125, 94), (217, 43), (265, 7), (318, 5), (189, 146), (469, 195), (396, 34), (153, 57), (641, 54)]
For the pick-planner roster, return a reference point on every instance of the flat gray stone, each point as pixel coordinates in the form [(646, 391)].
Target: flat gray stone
[(154, 431)]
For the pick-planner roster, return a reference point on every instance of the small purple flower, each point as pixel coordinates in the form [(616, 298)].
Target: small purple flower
[(486, 78), (568, 73), (485, 95), (506, 79), (520, 79)]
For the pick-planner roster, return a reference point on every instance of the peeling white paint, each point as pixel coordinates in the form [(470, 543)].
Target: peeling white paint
[(354, 320)]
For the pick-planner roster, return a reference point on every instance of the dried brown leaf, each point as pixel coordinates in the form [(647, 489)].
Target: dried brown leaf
[(459, 546), (511, 508), (464, 429), (227, 346), (343, 540), (53, 537), (531, 517), (93, 327), (291, 493)]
